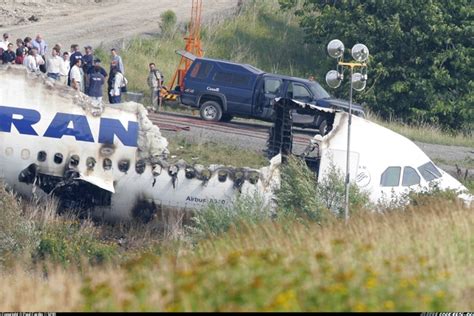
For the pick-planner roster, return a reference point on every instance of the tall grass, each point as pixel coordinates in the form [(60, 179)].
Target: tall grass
[(426, 133), (416, 260)]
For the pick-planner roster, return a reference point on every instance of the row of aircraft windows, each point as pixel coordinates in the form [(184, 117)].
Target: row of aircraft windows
[(391, 176), (42, 156), (123, 165)]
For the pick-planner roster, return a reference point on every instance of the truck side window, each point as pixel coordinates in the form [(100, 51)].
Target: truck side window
[(196, 69), (410, 177), (391, 177), (223, 77), (241, 80), (272, 86), (201, 71), (300, 92)]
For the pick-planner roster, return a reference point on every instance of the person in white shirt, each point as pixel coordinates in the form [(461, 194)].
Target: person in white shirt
[(76, 76), (65, 68), (5, 42), (118, 81), (54, 64), (33, 61)]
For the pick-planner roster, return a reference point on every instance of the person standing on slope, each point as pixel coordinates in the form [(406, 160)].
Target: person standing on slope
[(118, 82), (154, 83)]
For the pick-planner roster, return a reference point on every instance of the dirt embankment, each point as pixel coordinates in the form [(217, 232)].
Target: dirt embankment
[(95, 22)]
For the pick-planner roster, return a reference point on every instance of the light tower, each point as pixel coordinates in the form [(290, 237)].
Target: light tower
[(360, 53)]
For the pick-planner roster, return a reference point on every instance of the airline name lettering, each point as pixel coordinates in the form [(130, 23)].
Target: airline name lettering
[(65, 124)]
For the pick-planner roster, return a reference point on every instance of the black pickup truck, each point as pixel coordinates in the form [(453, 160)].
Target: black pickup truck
[(222, 90)]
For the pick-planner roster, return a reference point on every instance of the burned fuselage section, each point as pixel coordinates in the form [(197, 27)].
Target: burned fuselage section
[(107, 161)]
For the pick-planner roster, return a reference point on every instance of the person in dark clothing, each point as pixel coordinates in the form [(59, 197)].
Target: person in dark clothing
[(20, 52), (97, 63), (9, 55), (88, 65), (27, 42), (111, 80), (96, 83)]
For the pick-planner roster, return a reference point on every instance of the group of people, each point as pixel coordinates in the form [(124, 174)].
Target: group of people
[(81, 71)]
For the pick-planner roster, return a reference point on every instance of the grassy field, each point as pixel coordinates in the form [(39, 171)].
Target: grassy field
[(208, 152), (419, 259)]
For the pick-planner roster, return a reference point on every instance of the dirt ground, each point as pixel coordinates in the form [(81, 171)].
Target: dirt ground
[(95, 22)]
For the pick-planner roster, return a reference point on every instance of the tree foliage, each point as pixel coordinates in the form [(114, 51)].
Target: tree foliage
[(421, 65)]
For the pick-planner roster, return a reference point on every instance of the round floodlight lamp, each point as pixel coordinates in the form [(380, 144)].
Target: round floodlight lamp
[(333, 79), (360, 52), (359, 81), (335, 48)]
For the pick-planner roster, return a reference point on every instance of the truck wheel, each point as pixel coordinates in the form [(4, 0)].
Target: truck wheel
[(226, 118), (211, 111)]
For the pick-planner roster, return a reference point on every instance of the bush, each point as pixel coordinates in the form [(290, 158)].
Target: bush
[(216, 219), (298, 194), (331, 191), (168, 23), (17, 233), (68, 241)]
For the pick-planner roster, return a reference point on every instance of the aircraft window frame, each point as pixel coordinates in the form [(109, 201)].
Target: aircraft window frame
[(409, 182), (58, 158), (42, 156), (388, 182), (107, 164), (427, 174)]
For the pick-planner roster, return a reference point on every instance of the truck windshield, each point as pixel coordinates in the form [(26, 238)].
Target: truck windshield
[(318, 91)]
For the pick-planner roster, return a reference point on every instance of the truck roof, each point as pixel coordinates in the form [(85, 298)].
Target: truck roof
[(234, 66), (290, 78)]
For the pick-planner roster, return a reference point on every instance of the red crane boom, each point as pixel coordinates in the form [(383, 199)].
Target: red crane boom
[(193, 45)]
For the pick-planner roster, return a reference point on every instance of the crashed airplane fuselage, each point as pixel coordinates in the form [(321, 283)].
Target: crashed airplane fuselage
[(112, 162), (383, 163), (109, 161)]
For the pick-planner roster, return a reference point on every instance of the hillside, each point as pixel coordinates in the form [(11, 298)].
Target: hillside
[(94, 22)]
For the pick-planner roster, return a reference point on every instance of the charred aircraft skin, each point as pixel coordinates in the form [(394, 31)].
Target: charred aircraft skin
[(109, 162)]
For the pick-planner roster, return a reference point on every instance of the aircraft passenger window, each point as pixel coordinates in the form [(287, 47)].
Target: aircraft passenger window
[(124, 165), (75, 160), (429, 172), (107, 164), (391, 177), (42, 156), (90, 163), (272, 86), (410, 177), (300, 92), (58, 158)]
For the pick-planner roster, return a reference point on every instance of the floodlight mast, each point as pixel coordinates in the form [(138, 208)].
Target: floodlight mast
[(360, 53)]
